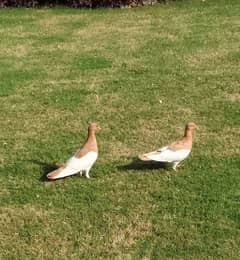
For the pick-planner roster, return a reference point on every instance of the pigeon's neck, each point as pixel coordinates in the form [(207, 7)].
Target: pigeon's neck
[(92, 141), (91, 134), (89, 145), (188, 134)]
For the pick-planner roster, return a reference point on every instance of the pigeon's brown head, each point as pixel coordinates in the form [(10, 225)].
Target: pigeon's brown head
[(94, 127), (191, 126)]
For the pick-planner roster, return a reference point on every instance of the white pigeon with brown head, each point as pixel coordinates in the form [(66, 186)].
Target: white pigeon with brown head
[(82, 160), (175, 152)]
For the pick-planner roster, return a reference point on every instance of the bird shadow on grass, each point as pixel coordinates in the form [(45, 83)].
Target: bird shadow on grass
[(46, 168), (137, 165)]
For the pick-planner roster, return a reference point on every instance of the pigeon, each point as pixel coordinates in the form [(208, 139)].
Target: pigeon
[(175, 152), (82, 160)]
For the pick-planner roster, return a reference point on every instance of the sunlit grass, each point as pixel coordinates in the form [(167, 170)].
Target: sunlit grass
[(141, 73)]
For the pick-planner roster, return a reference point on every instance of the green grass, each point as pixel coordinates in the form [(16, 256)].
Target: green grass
[(141, 73)]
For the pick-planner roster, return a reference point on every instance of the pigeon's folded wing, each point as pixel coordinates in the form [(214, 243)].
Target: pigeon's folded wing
[(162, 149), (168, 155)]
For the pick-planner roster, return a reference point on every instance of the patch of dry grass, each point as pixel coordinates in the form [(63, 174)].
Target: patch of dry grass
[(141, 73)]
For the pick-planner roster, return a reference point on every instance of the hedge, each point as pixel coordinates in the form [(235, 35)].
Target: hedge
[(77, 3)]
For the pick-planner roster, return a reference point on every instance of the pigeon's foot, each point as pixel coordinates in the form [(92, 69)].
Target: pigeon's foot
[(175, 166), (87, 173), (180, 165)]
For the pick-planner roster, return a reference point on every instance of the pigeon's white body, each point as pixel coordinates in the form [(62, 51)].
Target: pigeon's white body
[(83, 163), (82, 160), (168, 155), (77, 165), (174, 153)]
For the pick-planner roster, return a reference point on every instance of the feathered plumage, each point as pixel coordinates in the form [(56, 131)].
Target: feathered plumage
[(82, 160), (175, 152)]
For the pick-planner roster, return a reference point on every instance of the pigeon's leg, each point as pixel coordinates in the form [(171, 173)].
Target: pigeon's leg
[(175, 164), (180, 165), (87, 173)]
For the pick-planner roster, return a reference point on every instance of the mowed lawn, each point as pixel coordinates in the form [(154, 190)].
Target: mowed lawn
[(141, 73)]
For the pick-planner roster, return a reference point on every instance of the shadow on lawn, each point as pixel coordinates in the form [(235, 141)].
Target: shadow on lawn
[(46, 168), (137, 164)]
